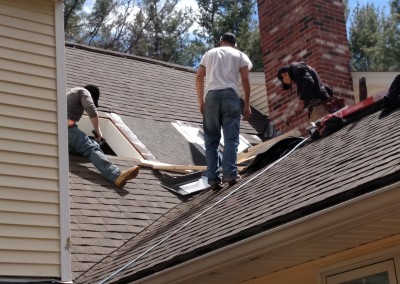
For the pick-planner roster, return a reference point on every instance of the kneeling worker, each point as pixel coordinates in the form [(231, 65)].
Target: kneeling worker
[(86, 99)]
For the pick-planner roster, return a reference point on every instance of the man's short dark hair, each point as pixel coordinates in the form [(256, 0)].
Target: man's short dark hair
[(229, 37), (94, 92), (282, 70)]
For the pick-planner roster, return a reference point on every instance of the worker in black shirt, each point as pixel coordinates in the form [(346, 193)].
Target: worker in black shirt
[(311, 91)]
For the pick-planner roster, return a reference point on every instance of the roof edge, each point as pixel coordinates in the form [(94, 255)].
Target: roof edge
[(132, 57), (352, 210)]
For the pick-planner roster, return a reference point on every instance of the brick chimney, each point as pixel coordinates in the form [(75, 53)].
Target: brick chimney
[(312, 31)]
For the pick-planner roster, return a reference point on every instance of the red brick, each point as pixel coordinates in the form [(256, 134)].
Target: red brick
[(303, 30)]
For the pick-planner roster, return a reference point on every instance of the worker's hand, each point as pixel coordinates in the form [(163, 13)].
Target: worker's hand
[(98, 136), (246, 113)]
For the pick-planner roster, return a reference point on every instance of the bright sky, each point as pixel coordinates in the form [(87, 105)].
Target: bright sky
[(377, 3)]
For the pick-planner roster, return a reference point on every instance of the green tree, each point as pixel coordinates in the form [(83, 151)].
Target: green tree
[(159, 31), (392, 36), (218, 16), (375, 39), (72, 18), (366, 38)]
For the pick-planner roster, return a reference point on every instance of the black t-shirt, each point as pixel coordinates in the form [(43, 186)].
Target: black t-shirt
[(309, 84)]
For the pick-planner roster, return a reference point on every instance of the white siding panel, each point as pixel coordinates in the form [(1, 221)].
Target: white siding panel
[(27, 159), (29, 244), (26, 25), (17, 231), (26, 58), (28, 47), (29, 195), (13, 134), (23, 101), (29, 220), (30, 69), (28, 171), (31, 257), (27, 90), (28, 207), (29, 166), (31, 10), (29, 114), (30, 269), (27, 36), (32, 80), (28, 183), (29, 58), (27, 147)]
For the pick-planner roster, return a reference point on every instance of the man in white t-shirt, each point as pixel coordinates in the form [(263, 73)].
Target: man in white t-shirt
[(220, 106)]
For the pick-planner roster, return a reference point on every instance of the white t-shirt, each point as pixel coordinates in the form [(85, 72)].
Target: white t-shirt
[(222, 68)]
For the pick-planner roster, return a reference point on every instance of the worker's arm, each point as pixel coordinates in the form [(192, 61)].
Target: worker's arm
[(96, 127), (298, 110), (201, 73), (90, 108), (244, 74)]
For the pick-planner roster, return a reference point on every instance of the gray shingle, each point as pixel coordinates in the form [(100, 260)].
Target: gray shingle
[(313, 175), (144, 213)]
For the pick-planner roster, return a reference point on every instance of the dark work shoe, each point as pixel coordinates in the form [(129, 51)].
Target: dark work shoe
[(216, 186), (234, 181)]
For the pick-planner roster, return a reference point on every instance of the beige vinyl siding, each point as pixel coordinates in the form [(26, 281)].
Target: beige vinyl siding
[(258, 92), (29, 165), (312, 272)]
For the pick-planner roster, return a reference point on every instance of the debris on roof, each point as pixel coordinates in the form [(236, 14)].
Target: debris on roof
[(187, 184), (273, 153), (251, 152)]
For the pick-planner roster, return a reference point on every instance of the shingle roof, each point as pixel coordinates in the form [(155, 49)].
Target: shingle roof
[(103, 217), (148, 95), (142, 88), (154, 228), (359, 158)]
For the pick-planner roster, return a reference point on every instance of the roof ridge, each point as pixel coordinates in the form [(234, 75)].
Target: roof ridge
[(130, 56)]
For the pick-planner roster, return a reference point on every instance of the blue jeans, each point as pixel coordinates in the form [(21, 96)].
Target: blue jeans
[(221, 110), (80, 143)]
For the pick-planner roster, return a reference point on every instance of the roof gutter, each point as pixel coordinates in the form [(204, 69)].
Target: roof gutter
[(380, 202)]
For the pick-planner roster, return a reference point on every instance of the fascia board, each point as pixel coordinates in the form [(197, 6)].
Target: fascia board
[(345, 215)]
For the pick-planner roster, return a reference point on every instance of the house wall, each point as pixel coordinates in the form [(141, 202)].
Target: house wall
[(312, 272), (376, 82), (29, 151)]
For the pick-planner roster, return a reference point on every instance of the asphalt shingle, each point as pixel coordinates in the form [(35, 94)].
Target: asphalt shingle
[(313, 177), (150, 228)]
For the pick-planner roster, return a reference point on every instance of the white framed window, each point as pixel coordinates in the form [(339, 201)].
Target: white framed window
[(383, 272)]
